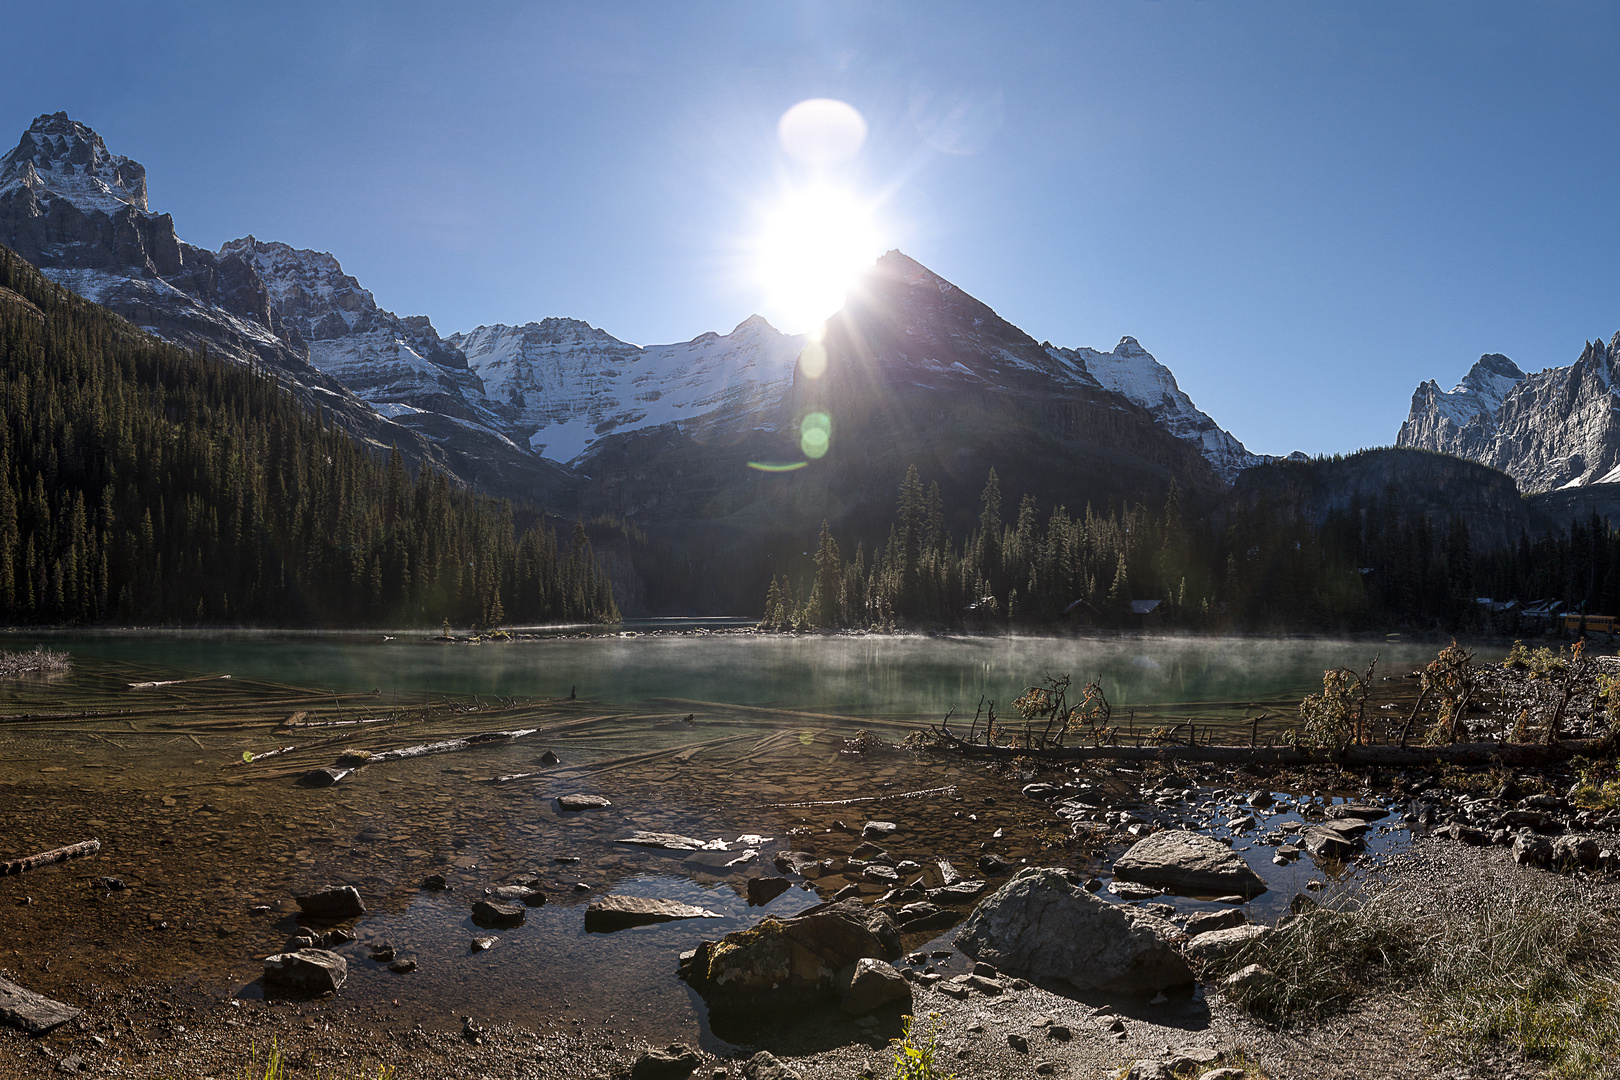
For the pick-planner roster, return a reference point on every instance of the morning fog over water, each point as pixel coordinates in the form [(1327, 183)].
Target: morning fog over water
[(896, 675)]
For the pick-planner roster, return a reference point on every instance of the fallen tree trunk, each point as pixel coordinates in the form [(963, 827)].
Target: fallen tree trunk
[(1488, 753), (481, 739), (50, 858)]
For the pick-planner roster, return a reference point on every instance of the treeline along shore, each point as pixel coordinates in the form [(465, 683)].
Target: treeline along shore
[(140, 482)]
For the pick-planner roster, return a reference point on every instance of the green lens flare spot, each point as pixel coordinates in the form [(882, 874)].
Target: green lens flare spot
[(770, 466), (815, 435), (806, 738)]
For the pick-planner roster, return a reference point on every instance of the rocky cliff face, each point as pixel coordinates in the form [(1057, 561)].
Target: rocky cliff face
[(1556, 428)]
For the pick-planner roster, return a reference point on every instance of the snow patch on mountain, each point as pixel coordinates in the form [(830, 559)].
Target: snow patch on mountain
[(573, 383), (1132, 372)]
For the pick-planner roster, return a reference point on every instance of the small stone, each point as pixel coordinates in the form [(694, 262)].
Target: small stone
[(1150, 1069), (762, 890), (879, 830), (435, 883), (333, 903), (484, 944), (765, 1066), (402, 967), (313, 971), (1060, 1032), (870, 984), (382, 953), (1223, 1074), (1247, 980), (488, 914), (550, 758), (1018, 1043)]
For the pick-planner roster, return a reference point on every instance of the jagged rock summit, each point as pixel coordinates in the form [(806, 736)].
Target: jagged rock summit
[(1558, 428), (59, 156)]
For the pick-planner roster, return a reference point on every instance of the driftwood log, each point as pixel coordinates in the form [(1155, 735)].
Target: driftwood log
[(50, 858), (1395, 757)]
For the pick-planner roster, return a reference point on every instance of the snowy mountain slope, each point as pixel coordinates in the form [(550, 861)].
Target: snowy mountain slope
[(1557, 428), (401, 366), (1132, 371), (573, 384)]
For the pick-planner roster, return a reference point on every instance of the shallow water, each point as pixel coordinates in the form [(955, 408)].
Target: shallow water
[(205, 842)]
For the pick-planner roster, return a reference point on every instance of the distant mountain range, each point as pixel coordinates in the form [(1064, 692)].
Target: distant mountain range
[(561, 414), (1558, 428)]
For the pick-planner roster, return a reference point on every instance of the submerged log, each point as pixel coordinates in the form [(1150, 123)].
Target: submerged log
[(1486, 753), (481, 739), (50, 858)]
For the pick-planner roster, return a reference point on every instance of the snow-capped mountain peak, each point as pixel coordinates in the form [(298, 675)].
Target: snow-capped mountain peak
[(1132, 372), (60, 156)]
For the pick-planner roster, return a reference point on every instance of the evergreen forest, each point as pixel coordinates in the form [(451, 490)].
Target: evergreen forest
[(141, 483), (1371, 566)]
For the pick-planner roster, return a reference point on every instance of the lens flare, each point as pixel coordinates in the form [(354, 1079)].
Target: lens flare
[(813, 359), (815, 435), (813, 247), (822, 132)]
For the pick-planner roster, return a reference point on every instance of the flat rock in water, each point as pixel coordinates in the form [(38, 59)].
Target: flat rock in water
[(333, 902), (1206, 921), (762, 890), (670, 841), (324, 777), (958, 893), (1327, 844), (488, 914), (32, 1013), (583, 802), (618, 912), (1042, 925), (878, 830), (1188, 862), (313, 971), (1364, 811)]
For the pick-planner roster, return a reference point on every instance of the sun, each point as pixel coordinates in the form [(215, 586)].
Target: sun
[(813, 245)]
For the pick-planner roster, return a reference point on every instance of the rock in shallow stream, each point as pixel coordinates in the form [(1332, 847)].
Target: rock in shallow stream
[(1188, 862)]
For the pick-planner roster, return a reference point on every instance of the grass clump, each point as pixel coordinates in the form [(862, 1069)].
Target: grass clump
[(276, 1067), (1538, 970), (915, 1049)]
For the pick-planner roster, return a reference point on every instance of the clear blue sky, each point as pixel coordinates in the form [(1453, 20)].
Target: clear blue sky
[(1302, 208)]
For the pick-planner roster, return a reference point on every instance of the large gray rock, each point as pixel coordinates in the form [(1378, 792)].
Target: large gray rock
[(32, 1013), (312, 971), (676, 1062), (1188, 862), (1040, 925), (869, 984), (789, 963)]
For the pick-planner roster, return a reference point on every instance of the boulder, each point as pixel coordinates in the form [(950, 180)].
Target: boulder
[(1532, 850), (1042, 925), (869, 984), (1573, 849), (311, 971), (31, 1013), (675, 1062), (1220, 944), (878, 830), (1188, 862), (333, 903), (764, 1066), (789, 963), (618, 912), (1364, 811), (517, 894)]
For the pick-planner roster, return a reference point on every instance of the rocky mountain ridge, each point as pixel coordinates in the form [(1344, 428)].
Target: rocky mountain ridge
[(1558, 428)]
